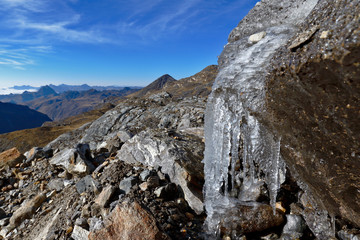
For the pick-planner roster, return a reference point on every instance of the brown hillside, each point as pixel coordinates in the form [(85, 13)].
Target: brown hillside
[(197, 85), (24, 140)]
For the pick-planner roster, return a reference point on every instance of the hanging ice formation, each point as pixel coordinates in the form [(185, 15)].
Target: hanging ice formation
[(232, 174)]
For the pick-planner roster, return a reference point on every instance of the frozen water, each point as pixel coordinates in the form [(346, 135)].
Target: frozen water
[(230, 125)]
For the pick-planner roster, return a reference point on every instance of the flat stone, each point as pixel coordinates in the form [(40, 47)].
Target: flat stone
[(124, 135), (79, 233)]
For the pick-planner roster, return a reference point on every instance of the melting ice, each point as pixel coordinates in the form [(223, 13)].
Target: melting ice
[(241, 154)]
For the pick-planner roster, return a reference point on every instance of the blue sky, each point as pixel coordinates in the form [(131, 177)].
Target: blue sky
[(111, 42)]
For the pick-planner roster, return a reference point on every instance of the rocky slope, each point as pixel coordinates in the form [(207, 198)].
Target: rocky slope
[(85, 181), (16, 117)]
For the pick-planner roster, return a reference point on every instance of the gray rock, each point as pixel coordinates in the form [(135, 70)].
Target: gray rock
[(144, 174), (349, 234), (294, 228), (3, 214), (126, 184), (56, 184), (80, 233), (271, 13), (95, 224), (124, 135), (87, 184), (75, 161), (4, 221), (180, 160), (81, 222)]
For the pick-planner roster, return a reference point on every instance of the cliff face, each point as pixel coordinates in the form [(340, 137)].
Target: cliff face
[(312, 102), (286, 100)]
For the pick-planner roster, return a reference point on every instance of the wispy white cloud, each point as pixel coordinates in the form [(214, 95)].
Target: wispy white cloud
[(20, 58), (29, 25)]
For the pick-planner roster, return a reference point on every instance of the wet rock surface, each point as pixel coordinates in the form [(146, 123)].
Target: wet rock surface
[(313, 94), (281, 119)]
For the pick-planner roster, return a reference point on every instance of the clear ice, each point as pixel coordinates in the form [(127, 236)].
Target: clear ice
[(241, 154), (237, 145)]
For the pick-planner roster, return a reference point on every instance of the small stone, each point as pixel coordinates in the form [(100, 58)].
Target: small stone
[(124, 135), (87, 184), (324, 34), (27, 210), (56, 184), (81, 222), (65, 175), (3, 214), (153, 181), (51, 194), (257, 37), (126, 184), (167, 192), (95, 224), (294, 228), (346, 234), (11, 158), (271, 236), (68, 183), (104, 197), (144, 186), (189, 216), (4, 222), (144, 175)]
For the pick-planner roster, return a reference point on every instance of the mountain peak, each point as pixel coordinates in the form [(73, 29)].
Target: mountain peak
[(158, 84), (46, 90)]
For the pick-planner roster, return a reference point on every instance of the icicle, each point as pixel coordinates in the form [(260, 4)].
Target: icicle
[(237, 91), (275, 175)]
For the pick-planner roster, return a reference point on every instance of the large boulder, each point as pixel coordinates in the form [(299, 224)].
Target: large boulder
[(288, 89), (179, 158), (11, 157), (129, 221), (312, 102)]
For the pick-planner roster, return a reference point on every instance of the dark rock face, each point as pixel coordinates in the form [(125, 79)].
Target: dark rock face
[(312, 102), (16, 117)]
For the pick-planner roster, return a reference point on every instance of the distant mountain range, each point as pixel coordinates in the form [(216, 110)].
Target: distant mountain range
[(64, 103), (17, 117), (61, 88)]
